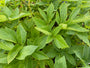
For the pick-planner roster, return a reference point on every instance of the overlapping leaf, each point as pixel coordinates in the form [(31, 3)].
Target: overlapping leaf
[(21, 34), (60, 42), (27, 50), (3, 58), (40, 55), (13, 53), (78, 28), (8, 34), (6, 45), (63, 12), (84, 37), (60, 62)]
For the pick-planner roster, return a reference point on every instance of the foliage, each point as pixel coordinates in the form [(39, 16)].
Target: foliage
[(44, 34)]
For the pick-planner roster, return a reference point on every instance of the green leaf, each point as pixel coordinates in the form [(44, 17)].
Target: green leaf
[(70, 59), (21, 15), (50, 26), (43, 31), (6, 45), (26, 51), (16, 12), (42, 42), (21, 34), (8, 35), (49, 39), (3, 18), (15, 63), (51, 52), (13, 53), (40, 55), (3, 58), (43, 14), (86, 53), (50, 13), (7, 11), (74, 13), (56, 30), (56, 3), (63, 12), (79, 55), (75, 48), (60, 42), (70, 32), (84, 37), (39, 22), (57, 18), (76, 27), (81, 19), (60, 62)]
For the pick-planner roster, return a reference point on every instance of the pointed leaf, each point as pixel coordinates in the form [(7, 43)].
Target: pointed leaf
[(27, 50), (81, 19), (21, 15), (6, 45), (3, 58), (84, 37), (60, 62), (57, 18), (56, 30), (63, 12), (79, 55), (39, 22), (21, 34), (42, 42), (86, 53), (40, 55), (43, 31), (56, 3), (76, 27), (8, 35), (7, 11), (13, 53), (49, 39), (74, 13), (60, 42), (70, 59), (50, 26), (43, 14), (50, 13)]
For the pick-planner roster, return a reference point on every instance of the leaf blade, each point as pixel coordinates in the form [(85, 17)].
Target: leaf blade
[(21, 34), (60, 42), (8, 35), (40, 55), (27, 50), (13, 53)]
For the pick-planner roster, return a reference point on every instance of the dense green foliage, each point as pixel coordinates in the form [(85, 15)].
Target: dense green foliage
[(44, 33)]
